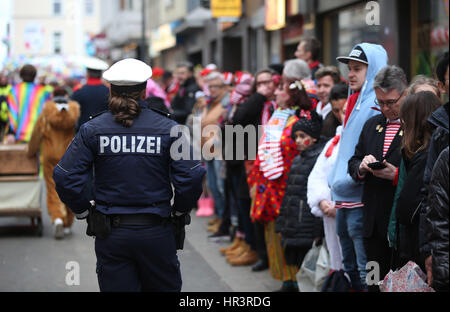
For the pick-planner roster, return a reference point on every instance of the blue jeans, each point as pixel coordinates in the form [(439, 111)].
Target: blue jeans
[(216, 185), (349, 228)]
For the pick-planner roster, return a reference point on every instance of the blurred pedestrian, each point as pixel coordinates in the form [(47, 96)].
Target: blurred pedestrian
[(213, 115), (327, 77), (405, 216), (423, 83), (5, 89), (25, 103), (308, 50), (319, 192), (298, 227), (255, 111), (338, 99), (439, 141), (364, 62), (184, 101), (55, 129), (93, 96), (437, 217), (268, 177)]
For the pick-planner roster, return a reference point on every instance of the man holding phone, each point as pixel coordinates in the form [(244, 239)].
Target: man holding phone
[(375, 164)]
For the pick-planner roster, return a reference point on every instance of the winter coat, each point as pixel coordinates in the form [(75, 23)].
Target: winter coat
[(439, 141), (407, 211), (318, 188), (249, 113), (297, 225), (437, 218), (378, 194), (183, 103)]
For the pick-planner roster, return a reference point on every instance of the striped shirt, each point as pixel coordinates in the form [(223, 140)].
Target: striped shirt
[(348, 204), (391, 131)]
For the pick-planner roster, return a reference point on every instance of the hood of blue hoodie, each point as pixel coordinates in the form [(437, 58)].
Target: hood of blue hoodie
[(343, 187)]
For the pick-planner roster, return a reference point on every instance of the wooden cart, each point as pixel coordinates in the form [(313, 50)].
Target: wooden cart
[(20, 185)]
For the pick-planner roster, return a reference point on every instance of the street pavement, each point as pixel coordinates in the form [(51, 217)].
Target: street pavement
[(42, 264)]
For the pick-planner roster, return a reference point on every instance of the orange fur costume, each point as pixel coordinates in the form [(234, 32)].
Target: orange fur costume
[(55, 129)]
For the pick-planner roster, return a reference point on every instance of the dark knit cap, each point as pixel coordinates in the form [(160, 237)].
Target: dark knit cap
[(310, 122)]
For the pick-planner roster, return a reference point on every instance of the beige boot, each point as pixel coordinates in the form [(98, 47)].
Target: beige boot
[(234, 245), (215, 227), (248, 258), (238, 252), (213, 221)]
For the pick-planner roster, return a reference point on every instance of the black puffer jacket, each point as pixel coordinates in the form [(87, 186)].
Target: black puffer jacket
[(297, 225), (407, 212), (439, 141), (184, 101), (437, 219)]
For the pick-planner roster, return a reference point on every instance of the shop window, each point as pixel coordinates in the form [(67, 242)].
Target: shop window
[(429, 34), (345, 28)]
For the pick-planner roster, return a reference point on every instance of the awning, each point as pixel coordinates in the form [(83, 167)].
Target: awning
[(194, 20)]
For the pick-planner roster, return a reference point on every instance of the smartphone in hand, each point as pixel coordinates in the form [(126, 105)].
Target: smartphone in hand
[(377, 165)]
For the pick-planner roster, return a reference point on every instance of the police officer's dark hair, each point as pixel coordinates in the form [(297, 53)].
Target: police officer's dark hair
[(123, 103), (28, 73)]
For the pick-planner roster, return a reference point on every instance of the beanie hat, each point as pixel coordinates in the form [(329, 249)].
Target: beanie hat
[(310, 122)]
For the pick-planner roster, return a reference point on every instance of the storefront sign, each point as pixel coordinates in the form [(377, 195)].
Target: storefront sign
[(226, 8), (163, 38), (275, 14)]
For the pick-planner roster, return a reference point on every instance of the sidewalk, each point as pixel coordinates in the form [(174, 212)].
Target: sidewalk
[(239, 278)]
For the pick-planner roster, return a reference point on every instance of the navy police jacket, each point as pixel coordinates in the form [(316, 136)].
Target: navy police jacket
[(133, 168)]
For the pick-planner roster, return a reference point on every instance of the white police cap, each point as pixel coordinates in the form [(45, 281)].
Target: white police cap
[(95, 64), (128, 72)]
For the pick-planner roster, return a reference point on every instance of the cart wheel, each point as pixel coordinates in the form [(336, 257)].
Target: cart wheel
[(39, 227)]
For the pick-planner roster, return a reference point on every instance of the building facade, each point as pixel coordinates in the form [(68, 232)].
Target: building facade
[(54, 27), (414, 33)]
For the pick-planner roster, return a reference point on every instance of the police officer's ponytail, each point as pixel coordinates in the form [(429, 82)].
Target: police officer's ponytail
[(124, 105)]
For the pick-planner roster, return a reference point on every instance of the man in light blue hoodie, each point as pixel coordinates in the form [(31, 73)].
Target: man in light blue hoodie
[(364, 62)]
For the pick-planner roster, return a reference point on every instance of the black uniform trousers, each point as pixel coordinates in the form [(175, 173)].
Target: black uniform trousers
[(138, 258)]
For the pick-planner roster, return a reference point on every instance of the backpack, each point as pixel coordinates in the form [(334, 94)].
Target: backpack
[(337, 281)]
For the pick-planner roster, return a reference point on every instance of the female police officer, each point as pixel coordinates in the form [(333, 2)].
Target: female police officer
[(128, 147)]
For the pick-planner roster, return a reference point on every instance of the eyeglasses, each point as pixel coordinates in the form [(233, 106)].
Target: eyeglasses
[(388, 103), (264, 82), (215, 86)]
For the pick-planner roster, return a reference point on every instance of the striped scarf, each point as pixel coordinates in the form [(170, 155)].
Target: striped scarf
[(25, 102), (269, 151)]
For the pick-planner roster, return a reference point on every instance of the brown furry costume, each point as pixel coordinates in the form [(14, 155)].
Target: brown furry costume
[(55, 129)]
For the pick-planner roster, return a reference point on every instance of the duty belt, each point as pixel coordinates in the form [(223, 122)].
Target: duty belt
[(138, 219)]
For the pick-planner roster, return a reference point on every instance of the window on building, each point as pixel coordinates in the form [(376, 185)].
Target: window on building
[(126, 5), (89, 7), (57, 7), (57, 43)]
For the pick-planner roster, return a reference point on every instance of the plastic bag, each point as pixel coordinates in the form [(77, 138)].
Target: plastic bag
[(323, 267), (409, 278), (314, 270)]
